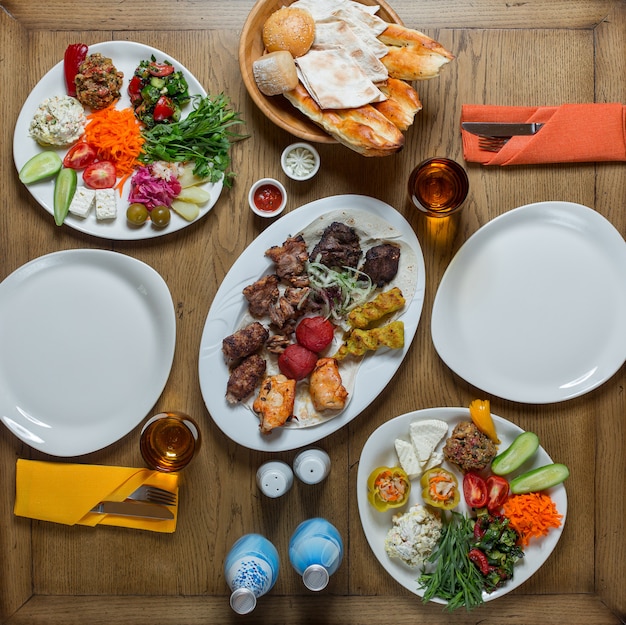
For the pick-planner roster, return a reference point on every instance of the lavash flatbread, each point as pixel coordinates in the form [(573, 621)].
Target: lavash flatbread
[(372, 230)]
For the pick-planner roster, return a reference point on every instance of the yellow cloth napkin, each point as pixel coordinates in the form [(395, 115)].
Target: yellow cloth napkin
[(66, 493)]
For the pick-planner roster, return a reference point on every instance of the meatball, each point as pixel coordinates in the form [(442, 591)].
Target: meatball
[(469, 448)]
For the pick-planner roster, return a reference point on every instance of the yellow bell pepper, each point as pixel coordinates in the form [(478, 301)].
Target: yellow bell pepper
[(480, 411), (388, 487), (440, 488)]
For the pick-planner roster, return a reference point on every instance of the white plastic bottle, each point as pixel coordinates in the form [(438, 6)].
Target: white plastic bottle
[(251, 568), (315, 552)]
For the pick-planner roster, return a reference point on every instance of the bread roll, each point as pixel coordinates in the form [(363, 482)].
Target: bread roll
[(291, 29), (275, 73), (362, 129)]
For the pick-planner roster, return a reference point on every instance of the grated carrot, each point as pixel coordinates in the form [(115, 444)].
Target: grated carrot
[(116, 136), (531, 515)]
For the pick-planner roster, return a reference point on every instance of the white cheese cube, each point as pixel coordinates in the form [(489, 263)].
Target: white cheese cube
[(106, 206), (82, 202), (408, 459), (425, 436)]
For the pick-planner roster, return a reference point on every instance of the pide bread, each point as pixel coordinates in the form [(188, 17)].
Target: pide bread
[(291, 29), (362, 129), (412, 55), (401, 105), (275, 73)]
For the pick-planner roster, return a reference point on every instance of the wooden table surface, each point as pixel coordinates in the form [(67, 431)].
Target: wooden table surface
[(507, 53)]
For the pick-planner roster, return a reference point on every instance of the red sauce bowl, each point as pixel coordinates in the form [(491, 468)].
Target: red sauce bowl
[(267, 197)]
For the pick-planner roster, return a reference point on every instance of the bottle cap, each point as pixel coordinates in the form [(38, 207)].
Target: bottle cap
[(243, 601), (315, 577), (274, 478), (312, 465)]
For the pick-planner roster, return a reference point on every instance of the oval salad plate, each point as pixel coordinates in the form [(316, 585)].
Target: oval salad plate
[(229, 307), (87, 341), (126, 56), (532, 306), (379, 450)]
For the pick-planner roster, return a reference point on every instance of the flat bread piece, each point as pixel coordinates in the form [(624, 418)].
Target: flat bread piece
[(362, 129)]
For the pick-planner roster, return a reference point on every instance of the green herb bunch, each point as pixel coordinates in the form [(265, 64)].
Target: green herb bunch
[(204, 137)]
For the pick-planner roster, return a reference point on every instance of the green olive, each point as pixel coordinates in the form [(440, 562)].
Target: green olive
[(160, 216), (137, 214)]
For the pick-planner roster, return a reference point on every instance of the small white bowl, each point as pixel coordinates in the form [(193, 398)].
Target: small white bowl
[(274, 187), (300, 161)]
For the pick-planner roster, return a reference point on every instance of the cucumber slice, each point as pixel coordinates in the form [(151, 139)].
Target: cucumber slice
[(539, 479), (64, 189), (41, 166), (520, 450)]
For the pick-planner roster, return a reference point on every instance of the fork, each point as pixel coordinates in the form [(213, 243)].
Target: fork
[(491, 144), (152, 494)]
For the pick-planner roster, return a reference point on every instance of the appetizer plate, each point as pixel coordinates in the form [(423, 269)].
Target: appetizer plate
[(532, 306), (126, 56), (87, 346), (379, 450), (228, 308)]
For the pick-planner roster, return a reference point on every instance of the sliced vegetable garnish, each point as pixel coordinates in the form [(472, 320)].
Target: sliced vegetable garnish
[(440, 488), (532, 515), (64, 189), (74, 55), (40, 167), (79, 156), (539, 479), (497, 492), (474, 490), (388, 487), (521, 449), (480, 411), (100, 175)]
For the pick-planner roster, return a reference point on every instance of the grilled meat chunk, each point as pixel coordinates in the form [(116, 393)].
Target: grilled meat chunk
[(325, 386), (244, 378), (373, 311), (339, 246), (381, 263), (275, 402), (244, 342), (290, 259), (261, 295)]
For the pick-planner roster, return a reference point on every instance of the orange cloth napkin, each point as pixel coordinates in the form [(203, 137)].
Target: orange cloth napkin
[(65, 493), (573, 133)]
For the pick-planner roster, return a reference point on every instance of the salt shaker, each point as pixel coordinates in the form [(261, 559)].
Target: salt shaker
[(315, 552), (311, 466), (251, 568), (274, 478)]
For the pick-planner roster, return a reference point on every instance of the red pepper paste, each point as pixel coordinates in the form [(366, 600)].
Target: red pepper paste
[(268, 198)]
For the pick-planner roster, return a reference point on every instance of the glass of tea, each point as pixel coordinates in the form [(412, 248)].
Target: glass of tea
[(438, 187), (169, 441)]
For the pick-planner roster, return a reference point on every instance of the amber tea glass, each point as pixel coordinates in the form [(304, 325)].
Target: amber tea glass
[(438, 187), (169, 441)]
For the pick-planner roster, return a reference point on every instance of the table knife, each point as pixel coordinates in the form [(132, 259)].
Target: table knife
[(134, 508), (500, 130)]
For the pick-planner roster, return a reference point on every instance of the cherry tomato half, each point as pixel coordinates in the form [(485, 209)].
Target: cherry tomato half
[(160, 69), (163, 109), (497, 492), (474, 490), (79, 156), (100, 175)]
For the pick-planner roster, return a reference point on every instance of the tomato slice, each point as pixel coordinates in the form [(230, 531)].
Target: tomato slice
[(134, 89), (497, 492), (79, 156), (474, 490), (163, 109), (160, 69), (100, 175)]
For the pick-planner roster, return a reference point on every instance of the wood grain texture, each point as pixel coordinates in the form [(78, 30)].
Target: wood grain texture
[(532, 52)]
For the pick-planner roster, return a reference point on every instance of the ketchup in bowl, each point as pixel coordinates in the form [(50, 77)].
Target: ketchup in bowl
[(267, 197)]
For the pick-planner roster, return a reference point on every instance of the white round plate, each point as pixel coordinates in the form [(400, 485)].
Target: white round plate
[(126, 56), (532, 306), (379, 451), (87, 346), (229, 306)]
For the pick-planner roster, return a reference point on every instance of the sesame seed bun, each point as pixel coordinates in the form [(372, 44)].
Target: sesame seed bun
[(290, 29)]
